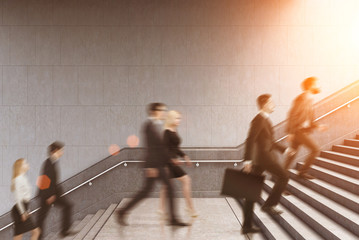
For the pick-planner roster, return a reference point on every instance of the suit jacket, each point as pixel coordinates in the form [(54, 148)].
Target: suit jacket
[(156, 155), (50, 170), (261, 135), (301, 110)]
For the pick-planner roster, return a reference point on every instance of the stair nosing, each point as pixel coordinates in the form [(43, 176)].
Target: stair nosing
[(95, 229), (335, 174), (89, 225), (340, 164), (342, 154), (349, 195), (323, 220), (325, 200), (289, 217)]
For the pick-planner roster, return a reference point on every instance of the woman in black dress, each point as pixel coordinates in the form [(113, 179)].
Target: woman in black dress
[(22, 192), (172, 142)]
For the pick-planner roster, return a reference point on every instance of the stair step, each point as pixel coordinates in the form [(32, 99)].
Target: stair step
[(57, 236), (99, 224), (341, 157), (89, 225), (346, 149), (80, 226), (324, 226), (343, 168), (357, 137), (341, 196), (348, 183), (330, 208), (270, 229), (293, 225), (238, 212), (351, 142)]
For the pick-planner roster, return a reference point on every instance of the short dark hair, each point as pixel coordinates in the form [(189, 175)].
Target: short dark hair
[(55, 146), (262, 100), (152, 107), (308, 82)]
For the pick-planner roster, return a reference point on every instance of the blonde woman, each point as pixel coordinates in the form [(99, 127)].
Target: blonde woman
[(22, 192), (172, 142)]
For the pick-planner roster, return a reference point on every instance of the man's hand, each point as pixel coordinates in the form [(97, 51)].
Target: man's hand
[(188, 161), (290, 138), (151, 172), (24, 216), (247, 167), (51, 200), (323, 127)]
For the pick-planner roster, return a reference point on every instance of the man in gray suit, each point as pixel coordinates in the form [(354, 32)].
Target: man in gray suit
[(301, 124)]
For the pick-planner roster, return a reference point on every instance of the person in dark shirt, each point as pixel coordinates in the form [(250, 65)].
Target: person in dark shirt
[(172, 142), (156, 160), (301, 123), (52, 194)]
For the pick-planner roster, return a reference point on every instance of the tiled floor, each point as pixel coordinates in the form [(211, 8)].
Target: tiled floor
[(216, 220)]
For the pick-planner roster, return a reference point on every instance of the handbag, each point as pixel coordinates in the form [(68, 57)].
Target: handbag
[(238, 184)]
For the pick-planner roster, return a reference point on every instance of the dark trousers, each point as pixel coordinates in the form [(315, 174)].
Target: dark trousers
[(66, 213), (303, 138), (146, 189), (281, 175)]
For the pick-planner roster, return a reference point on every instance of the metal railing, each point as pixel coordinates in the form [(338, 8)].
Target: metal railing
[(197, 162), (89, 181)]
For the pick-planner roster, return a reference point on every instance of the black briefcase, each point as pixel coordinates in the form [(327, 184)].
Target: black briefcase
[(238, 184)]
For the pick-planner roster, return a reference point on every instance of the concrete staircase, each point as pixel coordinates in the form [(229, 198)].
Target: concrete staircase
[(88, 227), (323, 208)]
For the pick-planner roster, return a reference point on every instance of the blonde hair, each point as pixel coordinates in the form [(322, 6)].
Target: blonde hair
[(16, 171), (171, 117)]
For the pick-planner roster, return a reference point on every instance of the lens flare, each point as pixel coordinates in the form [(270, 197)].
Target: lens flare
[(133, 141), (114, 149)]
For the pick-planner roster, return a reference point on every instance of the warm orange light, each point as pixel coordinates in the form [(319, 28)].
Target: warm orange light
[(114, 149), (133, 141)]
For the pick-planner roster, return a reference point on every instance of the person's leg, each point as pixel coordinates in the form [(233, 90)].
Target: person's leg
[(66, 213), (282, 178), (44, 209), (187, 190), (147, 187), (166, 181), (163, 192), (314, 152), (35, 233), (248, 213), (295, 146)]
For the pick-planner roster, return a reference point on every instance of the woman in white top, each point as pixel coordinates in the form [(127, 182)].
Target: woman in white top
[(22, 193)]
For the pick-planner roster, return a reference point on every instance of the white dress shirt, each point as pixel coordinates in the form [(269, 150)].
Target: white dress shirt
[(22, 192)]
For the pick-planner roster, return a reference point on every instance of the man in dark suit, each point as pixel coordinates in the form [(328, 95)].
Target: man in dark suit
[(156, 159), (301, 124), (261, 135), (51, 195)]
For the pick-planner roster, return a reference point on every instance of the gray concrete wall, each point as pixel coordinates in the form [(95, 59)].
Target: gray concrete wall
[(81, 71)]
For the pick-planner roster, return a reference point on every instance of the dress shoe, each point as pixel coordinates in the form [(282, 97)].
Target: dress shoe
[(250, 230), (68, 233), (121, 218), (178, 223), (271, 210), (306, 176)]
